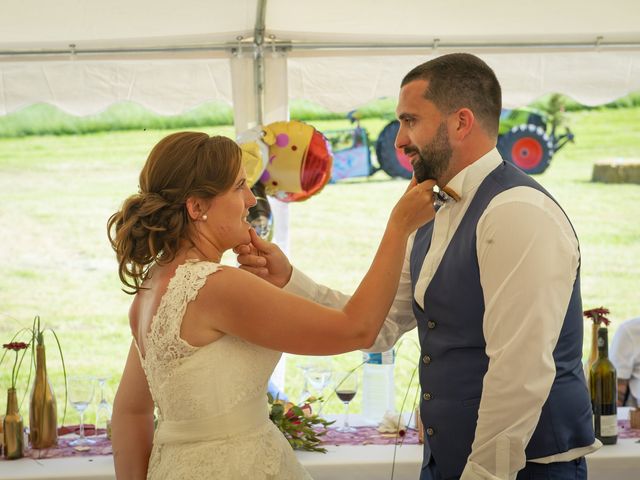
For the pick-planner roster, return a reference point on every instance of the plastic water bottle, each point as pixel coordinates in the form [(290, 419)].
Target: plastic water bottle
[(378, 391)]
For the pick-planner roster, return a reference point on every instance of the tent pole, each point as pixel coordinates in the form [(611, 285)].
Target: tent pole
[(258, 60), (598, 44)]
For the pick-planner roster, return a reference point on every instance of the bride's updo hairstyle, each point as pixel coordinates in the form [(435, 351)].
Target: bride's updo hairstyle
[(151, 225)]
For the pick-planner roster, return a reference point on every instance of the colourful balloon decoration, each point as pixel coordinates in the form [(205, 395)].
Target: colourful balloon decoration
[(255, 153), (300, 161)]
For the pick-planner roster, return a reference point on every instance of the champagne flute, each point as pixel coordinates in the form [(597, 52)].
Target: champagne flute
[(346, 390), (81, 390), (103, 410)]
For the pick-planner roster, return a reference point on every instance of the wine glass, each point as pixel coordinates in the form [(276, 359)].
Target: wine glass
[(103, 410), (346, 390), (319, 377), (80, 391), (305, 367)]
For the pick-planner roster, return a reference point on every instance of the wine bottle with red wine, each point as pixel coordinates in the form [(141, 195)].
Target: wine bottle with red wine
[(604, 392)]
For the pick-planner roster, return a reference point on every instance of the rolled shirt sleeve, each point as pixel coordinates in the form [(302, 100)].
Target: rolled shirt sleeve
[(528, 257)]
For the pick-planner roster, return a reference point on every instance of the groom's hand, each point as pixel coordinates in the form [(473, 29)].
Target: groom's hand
[(265, 260)]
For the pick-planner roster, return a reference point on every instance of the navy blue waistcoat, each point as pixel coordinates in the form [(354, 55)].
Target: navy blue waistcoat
[(454, 361)]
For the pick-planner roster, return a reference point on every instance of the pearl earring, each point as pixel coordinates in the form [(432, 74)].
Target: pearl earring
[(204, 217)]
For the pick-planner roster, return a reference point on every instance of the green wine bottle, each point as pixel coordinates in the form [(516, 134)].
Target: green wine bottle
[(604, 392)]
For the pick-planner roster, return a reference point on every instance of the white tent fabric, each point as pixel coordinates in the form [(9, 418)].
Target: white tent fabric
[(83, 55)]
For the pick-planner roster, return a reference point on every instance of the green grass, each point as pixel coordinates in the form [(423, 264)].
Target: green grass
[(56, 193)]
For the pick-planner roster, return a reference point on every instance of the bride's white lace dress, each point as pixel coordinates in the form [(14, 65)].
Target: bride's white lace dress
[(211, 401)]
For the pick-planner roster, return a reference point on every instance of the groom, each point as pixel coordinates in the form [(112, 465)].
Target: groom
[(493, 285)]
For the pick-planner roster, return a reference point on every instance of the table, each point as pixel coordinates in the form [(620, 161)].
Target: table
[(370, 462)]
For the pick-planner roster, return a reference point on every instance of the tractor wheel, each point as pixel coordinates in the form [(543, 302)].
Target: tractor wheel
[(527, 147), (392, 160)]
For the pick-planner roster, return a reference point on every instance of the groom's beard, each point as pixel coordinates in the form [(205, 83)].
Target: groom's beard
[(434, 158)]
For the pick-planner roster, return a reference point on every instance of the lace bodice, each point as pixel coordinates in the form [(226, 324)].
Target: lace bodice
[(200, 386)]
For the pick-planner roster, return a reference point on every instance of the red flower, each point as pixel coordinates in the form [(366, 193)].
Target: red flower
[(16, 346), (402, 432), (293, 418), (597, 315)]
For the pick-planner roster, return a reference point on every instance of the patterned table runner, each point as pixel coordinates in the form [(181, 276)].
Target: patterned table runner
[(362, 436)]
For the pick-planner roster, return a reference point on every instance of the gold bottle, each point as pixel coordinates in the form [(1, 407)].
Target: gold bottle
[(593, 353), (13, 428), (43, 414)]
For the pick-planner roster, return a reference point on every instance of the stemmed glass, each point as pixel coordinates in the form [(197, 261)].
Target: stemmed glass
[(346, 390), (103, 410), (319, 377), (305, 367), (81, 390)]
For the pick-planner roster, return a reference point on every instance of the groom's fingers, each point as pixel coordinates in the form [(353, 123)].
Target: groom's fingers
[(259, 243), (259, 271), (252, 260)]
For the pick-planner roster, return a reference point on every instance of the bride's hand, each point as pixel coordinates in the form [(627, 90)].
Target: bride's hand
[(415, 207)]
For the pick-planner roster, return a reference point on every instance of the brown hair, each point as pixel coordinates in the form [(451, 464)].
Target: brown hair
[(462, 80), (151, 225)]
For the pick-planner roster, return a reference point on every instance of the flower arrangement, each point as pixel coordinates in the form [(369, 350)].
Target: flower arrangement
[(300, 426), (34, 337), (16, 347), (597, 316)]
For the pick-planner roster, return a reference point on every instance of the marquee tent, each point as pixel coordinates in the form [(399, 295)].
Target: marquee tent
[(84, 55)]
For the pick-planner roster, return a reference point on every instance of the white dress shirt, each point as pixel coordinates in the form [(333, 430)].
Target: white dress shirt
[(528, 258), (625, 354)]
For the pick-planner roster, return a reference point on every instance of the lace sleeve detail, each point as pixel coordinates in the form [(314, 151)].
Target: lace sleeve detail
[(164, 347)]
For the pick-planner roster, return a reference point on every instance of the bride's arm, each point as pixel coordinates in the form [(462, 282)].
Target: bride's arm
[(245, 306), (132, 421)]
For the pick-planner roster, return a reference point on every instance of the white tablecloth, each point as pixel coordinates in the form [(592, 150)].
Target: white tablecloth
[(370, 462)]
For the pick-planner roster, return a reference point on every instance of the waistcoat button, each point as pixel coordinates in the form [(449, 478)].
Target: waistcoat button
[(426, 359), (431, 324), (430, 431), (426, 396)]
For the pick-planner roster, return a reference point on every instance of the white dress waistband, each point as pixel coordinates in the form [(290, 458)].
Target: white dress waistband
[(243, 418)]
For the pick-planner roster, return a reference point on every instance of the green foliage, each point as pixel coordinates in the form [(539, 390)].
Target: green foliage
[(302, 428), (44, 119), (555, 110), (306, 111), (570, 105)]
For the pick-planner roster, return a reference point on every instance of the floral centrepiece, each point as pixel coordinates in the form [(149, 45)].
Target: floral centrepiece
[(12, 426), (300, 426), (43, 418)]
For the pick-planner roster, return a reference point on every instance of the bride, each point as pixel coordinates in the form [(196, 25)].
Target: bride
[(206, 337)]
